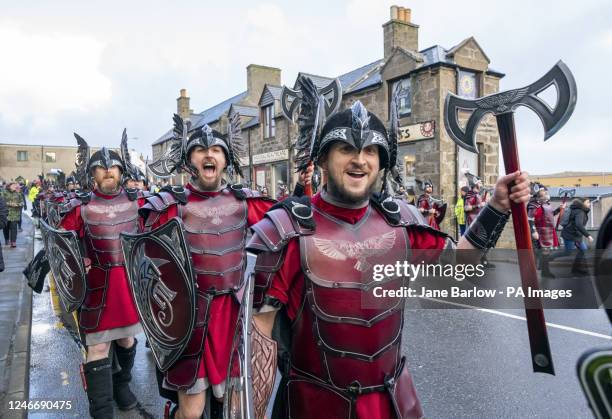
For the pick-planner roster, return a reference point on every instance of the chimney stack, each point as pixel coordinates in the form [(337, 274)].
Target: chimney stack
[(257, 77), (182, 105), (400, 32)]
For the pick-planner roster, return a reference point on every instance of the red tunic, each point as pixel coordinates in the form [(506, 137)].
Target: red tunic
[(424, 206), (223, 309), (544, 220), (119, 309), (288, 284), (474, 200)]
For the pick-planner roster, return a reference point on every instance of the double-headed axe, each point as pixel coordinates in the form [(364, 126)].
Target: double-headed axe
[(502, 105), (565, 192), (292, 99)]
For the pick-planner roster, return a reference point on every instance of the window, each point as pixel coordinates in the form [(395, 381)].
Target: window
[(404, 96), (49, 157), (22, 155), (269, 125), (467, 85)]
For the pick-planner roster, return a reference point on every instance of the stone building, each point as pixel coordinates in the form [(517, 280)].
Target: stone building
[(29, 161), (424, 75), (575, 179)]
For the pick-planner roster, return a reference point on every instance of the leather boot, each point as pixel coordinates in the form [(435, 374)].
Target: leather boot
[(216, 408), (98, 376), (580, 267), (544, 266), (122, 394)]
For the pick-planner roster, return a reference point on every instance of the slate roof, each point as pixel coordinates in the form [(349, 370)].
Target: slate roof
[(207, 116), (275, 90), (355, 80), (245, 110)]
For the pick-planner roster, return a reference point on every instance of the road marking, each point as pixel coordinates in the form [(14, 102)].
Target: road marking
[(514, 316)]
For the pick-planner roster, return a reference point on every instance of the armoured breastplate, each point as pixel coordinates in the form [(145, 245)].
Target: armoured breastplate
[(345, 336), (546, 225), (549, 215), (474, 200), (425, 202), (104, 220), (216, 233)]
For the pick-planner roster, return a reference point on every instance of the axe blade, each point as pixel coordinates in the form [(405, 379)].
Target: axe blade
[(291, 99), (553, 118), (568, 192)]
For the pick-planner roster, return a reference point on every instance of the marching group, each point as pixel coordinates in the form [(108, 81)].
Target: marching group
[(313, 249)]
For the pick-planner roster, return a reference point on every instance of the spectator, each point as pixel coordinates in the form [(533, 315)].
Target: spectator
[(460, 210), (3, 222), (20, 188), (14, 202), (573, 234), (34, 191)]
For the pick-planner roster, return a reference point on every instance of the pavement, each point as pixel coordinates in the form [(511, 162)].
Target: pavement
[(15, 324)]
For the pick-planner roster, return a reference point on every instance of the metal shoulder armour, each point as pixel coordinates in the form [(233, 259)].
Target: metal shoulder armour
[(143, 194), (84, 197), (240, 192), (132, 193), (163, 200), (66, 207), (398, 212), (281, 223)]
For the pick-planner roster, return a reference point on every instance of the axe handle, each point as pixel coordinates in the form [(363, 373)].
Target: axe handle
[(308, 189), (536, 325)]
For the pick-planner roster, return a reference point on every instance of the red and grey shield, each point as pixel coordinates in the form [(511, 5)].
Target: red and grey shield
[(161, 281), (52, 213), (66, 262), (238, 400)]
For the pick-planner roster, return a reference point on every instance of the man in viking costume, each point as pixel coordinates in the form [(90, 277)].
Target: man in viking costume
[(473, 201), (107, 314), (432, 209), (216, 215), (542, 222), (340, 360)]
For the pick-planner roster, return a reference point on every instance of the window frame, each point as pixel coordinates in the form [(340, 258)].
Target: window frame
[(392, 85), (25, 153), (48, 159), (269, 123)]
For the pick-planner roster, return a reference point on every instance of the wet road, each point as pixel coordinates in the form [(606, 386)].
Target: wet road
[(465, 363)]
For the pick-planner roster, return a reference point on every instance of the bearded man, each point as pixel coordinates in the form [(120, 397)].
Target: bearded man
[(216, 215), (108, 314), (339, 359)]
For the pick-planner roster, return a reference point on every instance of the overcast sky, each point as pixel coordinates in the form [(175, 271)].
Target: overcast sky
[(73, 66)]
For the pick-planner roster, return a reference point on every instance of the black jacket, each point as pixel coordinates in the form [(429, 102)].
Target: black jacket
[(577, 220)]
